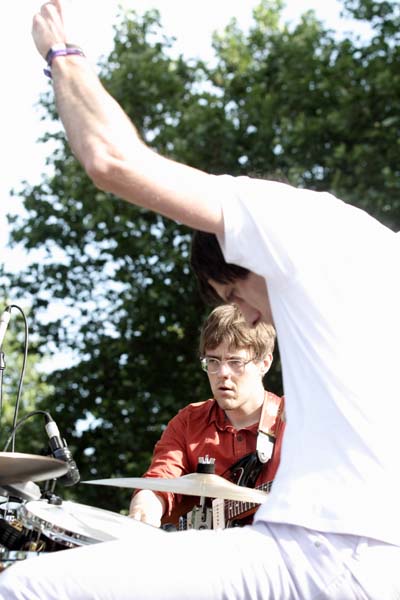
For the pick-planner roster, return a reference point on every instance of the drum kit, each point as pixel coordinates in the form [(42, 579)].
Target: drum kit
[(32, 523)]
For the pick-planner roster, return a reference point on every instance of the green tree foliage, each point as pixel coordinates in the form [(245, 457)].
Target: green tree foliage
[(299, 104)]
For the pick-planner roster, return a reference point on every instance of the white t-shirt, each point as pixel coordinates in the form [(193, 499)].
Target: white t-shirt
[(332, 273)]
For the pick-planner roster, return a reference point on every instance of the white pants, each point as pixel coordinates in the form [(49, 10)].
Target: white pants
[(262, 562)]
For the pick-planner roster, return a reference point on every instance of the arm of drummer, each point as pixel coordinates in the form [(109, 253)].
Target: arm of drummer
[(170, 460), (107, 144)]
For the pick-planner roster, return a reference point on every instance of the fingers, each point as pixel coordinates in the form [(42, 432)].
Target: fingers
[(144, 517), (147, 507), (58, 4), (51, 16), (48, 26), (138, 515)]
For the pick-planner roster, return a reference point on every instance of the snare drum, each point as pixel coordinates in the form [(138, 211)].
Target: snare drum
[(71, 524)]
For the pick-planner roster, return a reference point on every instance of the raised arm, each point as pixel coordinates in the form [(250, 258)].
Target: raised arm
[(106, 143)]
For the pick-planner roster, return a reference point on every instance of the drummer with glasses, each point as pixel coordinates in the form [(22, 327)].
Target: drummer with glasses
[(240, 427)]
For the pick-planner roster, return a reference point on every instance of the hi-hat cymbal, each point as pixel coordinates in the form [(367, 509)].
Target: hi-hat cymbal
[(16, 467), (193, 484)]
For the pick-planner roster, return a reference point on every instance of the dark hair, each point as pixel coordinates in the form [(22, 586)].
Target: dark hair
[(207, 262), (227, 324)]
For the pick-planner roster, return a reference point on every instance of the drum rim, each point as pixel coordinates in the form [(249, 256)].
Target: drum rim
[(51, 529)]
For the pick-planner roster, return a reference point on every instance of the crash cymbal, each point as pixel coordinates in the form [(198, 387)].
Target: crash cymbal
[(16, 467), (193, 484)]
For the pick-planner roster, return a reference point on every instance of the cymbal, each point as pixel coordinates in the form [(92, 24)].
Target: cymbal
[(16, 467), (193, 484)]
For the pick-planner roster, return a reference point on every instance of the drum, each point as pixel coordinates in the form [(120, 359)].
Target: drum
[(71, 524), (12, 535)]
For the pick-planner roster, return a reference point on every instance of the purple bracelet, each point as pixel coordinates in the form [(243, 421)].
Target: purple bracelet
[(55, 51)]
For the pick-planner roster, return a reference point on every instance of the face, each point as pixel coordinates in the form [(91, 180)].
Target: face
[(237, 390), (250, 295)]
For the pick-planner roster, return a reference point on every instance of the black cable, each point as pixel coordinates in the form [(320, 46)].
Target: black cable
[(2, 367), (22, 421), (22, 374)]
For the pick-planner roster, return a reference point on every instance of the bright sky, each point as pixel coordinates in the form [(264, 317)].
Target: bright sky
[(190, 21)]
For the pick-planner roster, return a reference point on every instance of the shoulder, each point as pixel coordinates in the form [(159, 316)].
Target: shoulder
[(274, 399), (194, 410), (277, 406), (195, 416)]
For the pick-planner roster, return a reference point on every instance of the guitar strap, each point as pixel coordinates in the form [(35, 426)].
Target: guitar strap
[(272, 407), (251, 465)]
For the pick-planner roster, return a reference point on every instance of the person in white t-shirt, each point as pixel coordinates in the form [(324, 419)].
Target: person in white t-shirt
[(329, 271), (327, 275)]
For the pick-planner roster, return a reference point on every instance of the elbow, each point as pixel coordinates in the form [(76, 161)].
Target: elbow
[(100, 168), (110, 167)]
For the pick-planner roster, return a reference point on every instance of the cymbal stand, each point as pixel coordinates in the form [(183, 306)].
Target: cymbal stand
[(200, 517)]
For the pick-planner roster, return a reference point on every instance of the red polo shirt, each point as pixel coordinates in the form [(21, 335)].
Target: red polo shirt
[(201, 429)]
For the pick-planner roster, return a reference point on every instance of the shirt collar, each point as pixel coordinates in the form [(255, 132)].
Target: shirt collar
[(218, 416)]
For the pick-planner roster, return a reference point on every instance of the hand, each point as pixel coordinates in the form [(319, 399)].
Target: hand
[(48, 27), (147, 507)]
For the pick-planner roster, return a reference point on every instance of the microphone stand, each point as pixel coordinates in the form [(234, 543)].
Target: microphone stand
[(2, 367)]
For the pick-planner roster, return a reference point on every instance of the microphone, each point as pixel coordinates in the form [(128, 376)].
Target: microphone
[(60, 450), (4, 320)]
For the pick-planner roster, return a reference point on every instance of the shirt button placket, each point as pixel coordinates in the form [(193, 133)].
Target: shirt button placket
[(240, 444)]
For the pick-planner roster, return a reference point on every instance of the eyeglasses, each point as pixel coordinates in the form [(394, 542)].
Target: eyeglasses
[(212, 365)]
